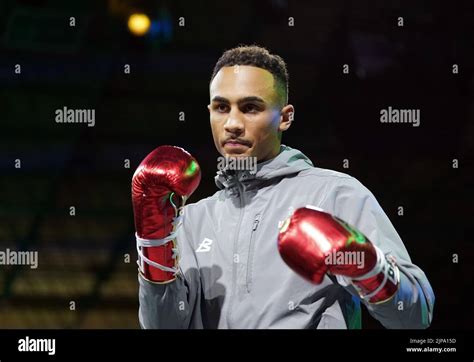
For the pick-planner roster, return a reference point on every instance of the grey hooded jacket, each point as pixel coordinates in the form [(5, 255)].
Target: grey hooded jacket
[(232, 275)]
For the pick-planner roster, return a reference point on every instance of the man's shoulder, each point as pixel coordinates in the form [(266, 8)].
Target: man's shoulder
[(331, 180), (324, 176), (329, 175)]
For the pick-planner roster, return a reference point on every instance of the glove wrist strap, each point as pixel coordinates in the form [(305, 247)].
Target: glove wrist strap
[(385, 276)]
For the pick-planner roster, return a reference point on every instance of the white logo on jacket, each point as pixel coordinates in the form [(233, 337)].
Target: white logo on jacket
[(205, 246)]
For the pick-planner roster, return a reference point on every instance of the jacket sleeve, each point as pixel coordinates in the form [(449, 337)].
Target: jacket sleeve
[(412, 306), (174, 305)]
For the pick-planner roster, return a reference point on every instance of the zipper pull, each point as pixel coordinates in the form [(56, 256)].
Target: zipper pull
[(255, 224)]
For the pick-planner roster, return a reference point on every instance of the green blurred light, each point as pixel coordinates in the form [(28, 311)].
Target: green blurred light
[(192, 168), (355, 235)]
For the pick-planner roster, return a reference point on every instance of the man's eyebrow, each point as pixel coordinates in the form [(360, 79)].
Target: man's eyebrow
[(220, 99), (240, 101), (251, 99)]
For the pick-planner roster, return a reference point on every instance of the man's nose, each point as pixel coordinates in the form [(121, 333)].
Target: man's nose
[(234, 124)]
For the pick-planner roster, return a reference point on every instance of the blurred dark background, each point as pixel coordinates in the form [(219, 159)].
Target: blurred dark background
[(83, 258)]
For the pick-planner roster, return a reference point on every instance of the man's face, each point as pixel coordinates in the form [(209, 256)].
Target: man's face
[(244, 113)]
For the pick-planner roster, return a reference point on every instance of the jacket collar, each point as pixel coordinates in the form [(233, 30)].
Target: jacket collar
[(289, 161)]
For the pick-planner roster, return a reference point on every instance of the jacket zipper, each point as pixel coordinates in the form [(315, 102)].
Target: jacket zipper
[(255, 223), (234, 252)]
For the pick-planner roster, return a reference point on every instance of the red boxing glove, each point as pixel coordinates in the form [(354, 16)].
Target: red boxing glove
[(313, 242), (160, 186)]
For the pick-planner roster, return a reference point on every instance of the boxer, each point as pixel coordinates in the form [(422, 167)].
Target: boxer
[(288, 246)]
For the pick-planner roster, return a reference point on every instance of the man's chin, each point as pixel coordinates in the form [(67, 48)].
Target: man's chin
[(236, 153), (244, 154)]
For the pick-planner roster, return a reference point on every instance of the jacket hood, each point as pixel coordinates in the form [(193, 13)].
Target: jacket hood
[(289, 161)]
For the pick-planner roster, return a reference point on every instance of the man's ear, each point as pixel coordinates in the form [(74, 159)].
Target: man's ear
[(286, 117), (209, 108)]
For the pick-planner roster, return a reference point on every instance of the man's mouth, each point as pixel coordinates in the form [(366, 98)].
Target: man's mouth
[(236, 144)]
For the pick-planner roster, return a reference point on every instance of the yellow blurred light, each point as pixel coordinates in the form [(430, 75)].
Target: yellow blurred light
[(139, 24)]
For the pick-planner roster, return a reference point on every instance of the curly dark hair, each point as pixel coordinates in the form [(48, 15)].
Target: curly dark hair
[(260, 57)]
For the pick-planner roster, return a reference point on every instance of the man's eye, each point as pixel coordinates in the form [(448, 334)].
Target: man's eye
[(221, 108), (251, 108)]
